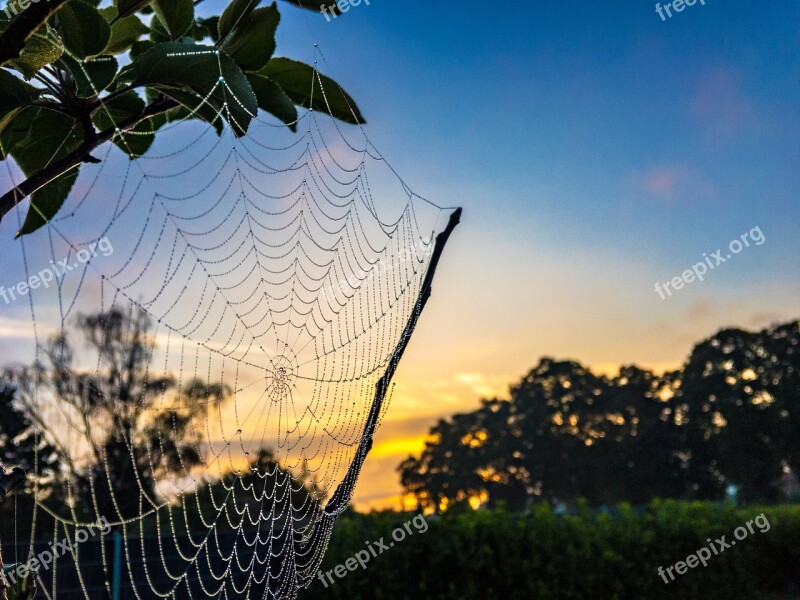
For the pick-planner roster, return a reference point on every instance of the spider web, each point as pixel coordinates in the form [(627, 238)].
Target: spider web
[(272, 265)]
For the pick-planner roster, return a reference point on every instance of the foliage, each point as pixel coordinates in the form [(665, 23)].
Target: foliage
[(267, 483), (729, 416), (20, 446), (494, 554), (135, 427), (95, 73)]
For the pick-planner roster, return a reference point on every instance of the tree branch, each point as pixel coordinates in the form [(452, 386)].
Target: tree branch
[(37, 181), (341, 497), (13, 39)]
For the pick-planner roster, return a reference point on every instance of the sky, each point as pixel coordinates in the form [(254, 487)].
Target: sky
[(596, 150)]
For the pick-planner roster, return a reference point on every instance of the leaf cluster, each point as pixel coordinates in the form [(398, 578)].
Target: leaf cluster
[(93, 73)]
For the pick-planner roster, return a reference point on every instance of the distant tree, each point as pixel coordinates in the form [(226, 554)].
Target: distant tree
[(646, 462), (731, 416), (21, 445), (133, 426), (262, 491), (741, 392)]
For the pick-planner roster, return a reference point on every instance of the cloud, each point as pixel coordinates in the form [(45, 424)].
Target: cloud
[(18, 329), (720, 104), (483, 385), (765, 319), (672, 184), (702, 309)]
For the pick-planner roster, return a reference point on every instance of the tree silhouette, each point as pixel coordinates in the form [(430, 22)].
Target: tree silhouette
[(730, 416), (743, 394), (21, 446), (134, 427), (271, 489)]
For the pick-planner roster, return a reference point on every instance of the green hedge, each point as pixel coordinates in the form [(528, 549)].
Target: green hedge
[(544, 556)]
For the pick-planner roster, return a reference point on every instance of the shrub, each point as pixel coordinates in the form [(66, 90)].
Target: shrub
[(590, 555)]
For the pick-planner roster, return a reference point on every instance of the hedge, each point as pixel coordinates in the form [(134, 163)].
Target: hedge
[(589, 555)]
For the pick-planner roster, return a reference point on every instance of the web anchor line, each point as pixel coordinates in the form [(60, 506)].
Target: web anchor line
[(309, 546)]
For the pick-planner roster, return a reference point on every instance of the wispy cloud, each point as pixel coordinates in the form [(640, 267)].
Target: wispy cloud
[(720, 104), (484, 385), (672, 184), (702, 309), (17, 329)]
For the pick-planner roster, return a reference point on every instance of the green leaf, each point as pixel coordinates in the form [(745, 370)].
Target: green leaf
[(235, 15), (138, 140), (36, 138), (83, 28), (14, 96), (110, 13), (118, 109), (140, 48), (212, 26), (158, 32), (92, 76), (252, 43), (300, 83), (202, 70), (193, 108), (42, 48), (200, 31), (41, 136), (47, 201), (6, 118), (125, 33), (273, 99), (176, 15), (128, 7)]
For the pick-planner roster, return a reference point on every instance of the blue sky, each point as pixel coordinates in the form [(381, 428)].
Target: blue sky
[(543, 118), (596, 149), (588, 134)]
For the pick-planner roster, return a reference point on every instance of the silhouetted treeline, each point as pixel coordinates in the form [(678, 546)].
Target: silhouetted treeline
[(729, 417)]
